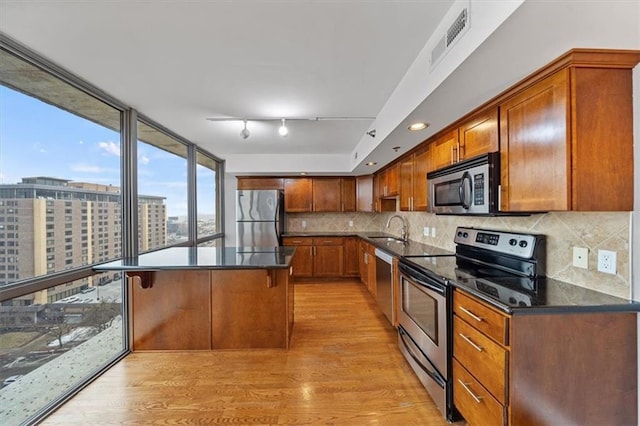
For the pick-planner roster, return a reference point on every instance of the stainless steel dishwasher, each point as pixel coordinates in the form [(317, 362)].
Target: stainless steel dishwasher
[(384, 283)]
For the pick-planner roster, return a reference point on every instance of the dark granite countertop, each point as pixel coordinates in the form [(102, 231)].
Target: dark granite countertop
[(386, 242), (204, 258), (542, 295)]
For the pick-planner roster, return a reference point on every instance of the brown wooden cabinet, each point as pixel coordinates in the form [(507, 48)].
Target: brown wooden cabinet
[(504, 373), (351, 265), (444, 150), (327, 194), (388, 182), (260, 183), (367, 265), (364, 194), (302, 262), (328, 257), (479, 134), (413, 181), (567, 138), (348, 194), (298, 195), (320, 257)]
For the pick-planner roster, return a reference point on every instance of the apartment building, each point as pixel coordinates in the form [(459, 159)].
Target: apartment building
[(49, 225)]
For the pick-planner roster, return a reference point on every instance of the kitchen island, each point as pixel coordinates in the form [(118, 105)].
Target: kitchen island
[(203, 298)]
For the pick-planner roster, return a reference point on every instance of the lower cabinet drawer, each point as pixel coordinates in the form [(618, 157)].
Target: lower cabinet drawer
[(483, 357), (475, 403)]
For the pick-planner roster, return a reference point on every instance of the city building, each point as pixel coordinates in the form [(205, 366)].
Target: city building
[(50, 225)]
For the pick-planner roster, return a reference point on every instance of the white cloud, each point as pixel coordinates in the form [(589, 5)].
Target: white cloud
[(89, 168), (144, 159), (110, 147)]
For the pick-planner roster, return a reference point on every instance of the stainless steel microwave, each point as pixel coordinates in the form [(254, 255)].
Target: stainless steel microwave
[(468, 187)]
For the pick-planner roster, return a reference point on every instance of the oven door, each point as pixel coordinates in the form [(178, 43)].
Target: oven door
[(423, 315)]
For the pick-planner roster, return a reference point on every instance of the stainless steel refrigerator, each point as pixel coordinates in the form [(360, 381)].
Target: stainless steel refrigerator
[(259, 218)]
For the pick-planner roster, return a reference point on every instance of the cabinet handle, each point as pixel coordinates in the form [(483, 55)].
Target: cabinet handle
[(297, 242), (471, 342), (476, 398), (471, 314), (459, 148), (269, 282), (500, 197), (452, 157)]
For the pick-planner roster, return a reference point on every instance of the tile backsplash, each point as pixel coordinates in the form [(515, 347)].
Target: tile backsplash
[(563, 230)]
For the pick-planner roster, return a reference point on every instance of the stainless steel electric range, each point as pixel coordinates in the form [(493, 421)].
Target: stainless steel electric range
[(506, 268)]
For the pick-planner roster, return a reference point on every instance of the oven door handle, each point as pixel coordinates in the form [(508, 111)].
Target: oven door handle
[(438, 289), (433, 372)]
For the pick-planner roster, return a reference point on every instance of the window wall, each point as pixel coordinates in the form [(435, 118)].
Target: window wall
[(83, 180), (162, 189), (207, 195)]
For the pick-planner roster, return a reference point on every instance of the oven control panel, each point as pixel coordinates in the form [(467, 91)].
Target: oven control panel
[(515, 244)]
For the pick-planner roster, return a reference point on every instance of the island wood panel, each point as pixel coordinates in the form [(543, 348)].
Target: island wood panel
[(578, 369), (249, 309), (174, 312)]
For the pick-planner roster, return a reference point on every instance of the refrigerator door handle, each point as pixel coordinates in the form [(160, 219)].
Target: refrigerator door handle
[(277, 223)]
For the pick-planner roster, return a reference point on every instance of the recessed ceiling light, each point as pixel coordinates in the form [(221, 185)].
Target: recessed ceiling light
[(371, 163), (303, 173), (418, 126)]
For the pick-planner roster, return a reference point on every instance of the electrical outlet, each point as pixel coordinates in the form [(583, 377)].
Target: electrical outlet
[(350, 224), (304, 223), (607, 261), (433, 231), (425, 231), (581, 257)]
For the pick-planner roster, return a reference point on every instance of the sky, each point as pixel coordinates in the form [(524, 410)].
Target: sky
[(38, 139)]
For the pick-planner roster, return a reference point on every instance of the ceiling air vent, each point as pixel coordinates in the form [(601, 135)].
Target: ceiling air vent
[(452, 34), (457, 28)]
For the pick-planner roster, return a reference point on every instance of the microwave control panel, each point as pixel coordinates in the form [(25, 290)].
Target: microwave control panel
[(478, 189)]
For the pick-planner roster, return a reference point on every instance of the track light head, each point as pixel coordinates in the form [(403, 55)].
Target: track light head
[(372, 133), (283, 131), (245, 132)]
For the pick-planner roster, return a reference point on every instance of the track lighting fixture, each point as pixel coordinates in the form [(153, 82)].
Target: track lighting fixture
[(283, 131), (245, 132)]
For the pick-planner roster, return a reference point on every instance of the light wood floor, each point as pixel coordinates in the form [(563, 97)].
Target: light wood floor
[(343, 368)]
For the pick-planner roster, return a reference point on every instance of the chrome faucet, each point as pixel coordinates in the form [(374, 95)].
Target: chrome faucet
[(404, 236)]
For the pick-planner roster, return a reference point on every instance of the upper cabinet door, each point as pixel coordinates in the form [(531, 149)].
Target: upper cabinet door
[(297, 195), (534, 146), (420, 168), (444, 150), (348, 194), (327, 194), (364, 193), (479, 135)]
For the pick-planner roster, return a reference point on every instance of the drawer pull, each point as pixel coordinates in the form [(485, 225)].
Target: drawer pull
[(476, 398), (471, 314), (469, 341)]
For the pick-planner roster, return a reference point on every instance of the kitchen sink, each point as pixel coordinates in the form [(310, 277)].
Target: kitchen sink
[(388, 239)]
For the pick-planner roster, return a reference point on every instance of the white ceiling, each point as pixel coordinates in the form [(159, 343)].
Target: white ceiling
[(179, 62)]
